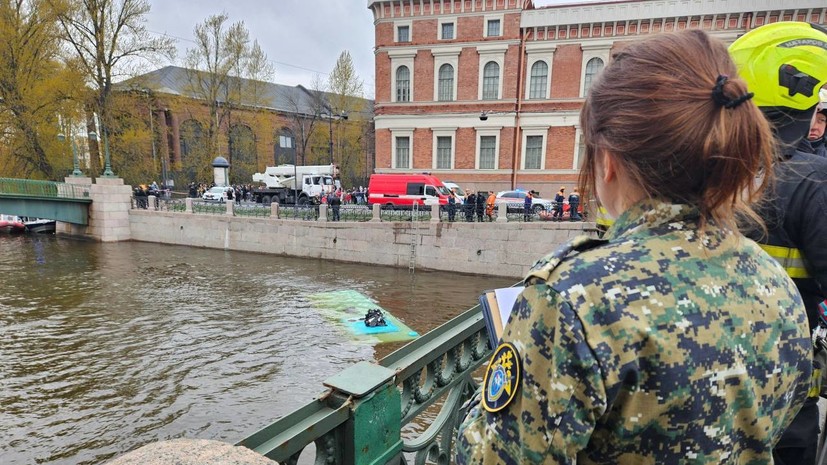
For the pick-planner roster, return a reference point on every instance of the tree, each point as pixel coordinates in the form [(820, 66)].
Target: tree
[(216, 65), (346, 96), (109, 37), (306, 108), (346, 89), (35, 87)]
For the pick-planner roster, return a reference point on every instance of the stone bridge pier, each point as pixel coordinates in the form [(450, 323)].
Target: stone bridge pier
[(108, 212)]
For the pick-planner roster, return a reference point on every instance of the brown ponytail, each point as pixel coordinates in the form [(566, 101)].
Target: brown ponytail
[(674, 112)]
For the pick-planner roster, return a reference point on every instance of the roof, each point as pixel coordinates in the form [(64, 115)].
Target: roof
[(175, 80)]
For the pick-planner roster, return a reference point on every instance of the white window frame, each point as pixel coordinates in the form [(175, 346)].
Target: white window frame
[(402, 58), (578, 133), (534, 131), (409, 133), (495, 53), (600, 50), (483, 133), (548, 79), (441, 21), (445, 132), (539, 52), (396, 25), (444, 56), (488, 18)]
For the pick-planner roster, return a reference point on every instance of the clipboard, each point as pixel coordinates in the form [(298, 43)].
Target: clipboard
[(496, 305)]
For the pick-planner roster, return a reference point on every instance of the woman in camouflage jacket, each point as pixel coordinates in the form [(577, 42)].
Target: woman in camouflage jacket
[(675, 339)]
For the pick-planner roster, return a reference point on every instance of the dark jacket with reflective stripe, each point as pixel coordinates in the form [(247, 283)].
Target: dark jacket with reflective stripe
[(796, 217)]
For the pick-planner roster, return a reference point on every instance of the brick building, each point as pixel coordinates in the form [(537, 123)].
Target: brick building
[(260, 124), (442, 64)]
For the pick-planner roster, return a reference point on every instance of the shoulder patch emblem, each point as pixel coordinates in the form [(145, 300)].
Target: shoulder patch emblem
[(502, 378), (543, 267)]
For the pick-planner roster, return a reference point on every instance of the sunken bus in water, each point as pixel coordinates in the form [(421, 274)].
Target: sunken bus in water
[(403, 191)]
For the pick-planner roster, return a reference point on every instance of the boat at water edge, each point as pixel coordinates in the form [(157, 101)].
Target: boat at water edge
[(11, 224), (39, 225)]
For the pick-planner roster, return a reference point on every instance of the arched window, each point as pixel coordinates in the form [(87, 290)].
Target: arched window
[(242, 154), (403, 84), (539, 80), (284, 150), (491, 81), (446, 83), (594, 66)]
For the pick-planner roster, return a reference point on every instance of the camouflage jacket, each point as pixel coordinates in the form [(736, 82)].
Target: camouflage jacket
[(660, 345)]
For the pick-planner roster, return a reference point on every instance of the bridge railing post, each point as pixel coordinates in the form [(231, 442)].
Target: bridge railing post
[(502, 213), (435, 213), (366, 405), (230, 207), (153, 202), (373, 430), (188, 204)]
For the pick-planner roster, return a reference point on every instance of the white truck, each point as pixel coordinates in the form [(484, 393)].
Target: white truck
[(279, 183)]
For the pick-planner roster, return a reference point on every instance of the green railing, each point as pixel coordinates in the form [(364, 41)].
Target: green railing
[(44, 189), (360, 418)]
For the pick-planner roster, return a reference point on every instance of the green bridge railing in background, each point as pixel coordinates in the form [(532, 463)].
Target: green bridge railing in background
[(360, 418), (44, 189)]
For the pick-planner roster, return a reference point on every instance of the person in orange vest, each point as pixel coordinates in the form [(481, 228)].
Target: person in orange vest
[(489, 205)]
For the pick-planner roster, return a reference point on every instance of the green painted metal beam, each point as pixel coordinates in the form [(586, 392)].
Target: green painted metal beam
[(45, 199), (74, 211), (290, 435)]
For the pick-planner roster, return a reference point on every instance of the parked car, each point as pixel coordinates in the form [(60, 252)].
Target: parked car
[(516, 200), (215, 194)]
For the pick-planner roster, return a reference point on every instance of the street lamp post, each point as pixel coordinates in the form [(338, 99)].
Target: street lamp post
[(330, 118), (76, 172), (107, 166)]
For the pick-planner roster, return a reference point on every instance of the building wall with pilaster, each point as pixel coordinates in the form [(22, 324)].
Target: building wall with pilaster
[(564, 36)]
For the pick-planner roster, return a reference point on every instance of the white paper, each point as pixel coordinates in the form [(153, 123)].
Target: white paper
[(506, 297)]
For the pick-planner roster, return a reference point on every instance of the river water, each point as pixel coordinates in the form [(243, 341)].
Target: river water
[(107, 347)]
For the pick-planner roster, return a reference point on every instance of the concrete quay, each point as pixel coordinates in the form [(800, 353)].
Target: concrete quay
[(497, 248)]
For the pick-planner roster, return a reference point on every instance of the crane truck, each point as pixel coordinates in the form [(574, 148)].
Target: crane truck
[(278, 183)]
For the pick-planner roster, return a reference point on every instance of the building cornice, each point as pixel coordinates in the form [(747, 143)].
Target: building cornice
[(435, 8), (586, 13), (436, 48)]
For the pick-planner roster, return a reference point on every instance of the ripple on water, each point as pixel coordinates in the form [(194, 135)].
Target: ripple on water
[(106, 347)]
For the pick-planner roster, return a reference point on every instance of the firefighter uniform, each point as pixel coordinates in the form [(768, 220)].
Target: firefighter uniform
[(785, 66)]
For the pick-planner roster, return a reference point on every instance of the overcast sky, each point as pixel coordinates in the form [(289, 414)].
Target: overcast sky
[(300, 37)]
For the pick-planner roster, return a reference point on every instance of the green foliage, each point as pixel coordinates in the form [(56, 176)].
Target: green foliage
[(35, 87), (352, 138), (109, 37)]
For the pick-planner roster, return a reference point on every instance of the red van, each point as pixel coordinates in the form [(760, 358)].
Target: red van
[(405, 190)]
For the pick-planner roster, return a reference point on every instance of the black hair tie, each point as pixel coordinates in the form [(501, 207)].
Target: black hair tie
[(724, 101)]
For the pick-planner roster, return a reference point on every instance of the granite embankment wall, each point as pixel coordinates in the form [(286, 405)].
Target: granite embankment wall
[(499, 249)]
